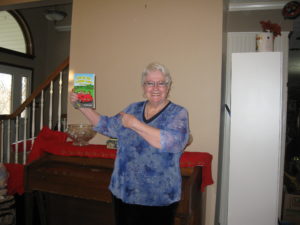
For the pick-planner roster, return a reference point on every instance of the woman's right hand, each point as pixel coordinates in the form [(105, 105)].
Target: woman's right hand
[(89, 113), (73, 98)]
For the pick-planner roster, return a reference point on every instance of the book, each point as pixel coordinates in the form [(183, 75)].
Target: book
[(84, 86)]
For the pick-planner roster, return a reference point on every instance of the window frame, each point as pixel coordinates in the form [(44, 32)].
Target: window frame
[(26, 33)]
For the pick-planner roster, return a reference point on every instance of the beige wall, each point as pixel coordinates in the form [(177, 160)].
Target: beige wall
[(117, 39)]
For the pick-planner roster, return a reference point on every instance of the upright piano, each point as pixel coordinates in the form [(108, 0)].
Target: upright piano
[(63, 190)]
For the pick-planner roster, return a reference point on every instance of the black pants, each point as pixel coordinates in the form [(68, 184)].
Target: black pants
[(130, 214)]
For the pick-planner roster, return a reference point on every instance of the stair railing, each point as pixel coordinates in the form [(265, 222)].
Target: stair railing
[(18, 130)]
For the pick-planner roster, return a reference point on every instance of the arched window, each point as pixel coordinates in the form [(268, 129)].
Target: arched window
[(14, 33)]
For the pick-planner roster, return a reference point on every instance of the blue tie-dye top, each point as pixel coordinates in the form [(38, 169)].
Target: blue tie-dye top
[(143, 174)]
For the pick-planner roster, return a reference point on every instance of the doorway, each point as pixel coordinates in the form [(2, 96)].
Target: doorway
[(15, 87)]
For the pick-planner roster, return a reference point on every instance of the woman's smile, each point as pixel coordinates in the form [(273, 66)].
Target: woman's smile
[(155, 88)]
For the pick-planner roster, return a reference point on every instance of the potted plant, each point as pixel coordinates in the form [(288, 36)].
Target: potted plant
[(265, 40)]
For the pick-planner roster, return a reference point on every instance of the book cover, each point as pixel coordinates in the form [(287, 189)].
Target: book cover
[(84, 86)]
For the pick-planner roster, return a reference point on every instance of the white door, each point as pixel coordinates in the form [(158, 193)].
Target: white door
[(14, 87)]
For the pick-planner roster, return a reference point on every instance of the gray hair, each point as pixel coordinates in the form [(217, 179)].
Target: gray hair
[(157, 67)]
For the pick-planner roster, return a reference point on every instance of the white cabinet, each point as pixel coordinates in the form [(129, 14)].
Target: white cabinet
[(255, 140)]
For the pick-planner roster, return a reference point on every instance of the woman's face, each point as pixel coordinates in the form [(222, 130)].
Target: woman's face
[(155, 87)]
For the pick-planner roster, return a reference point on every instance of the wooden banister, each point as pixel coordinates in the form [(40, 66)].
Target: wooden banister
[(38, 90)]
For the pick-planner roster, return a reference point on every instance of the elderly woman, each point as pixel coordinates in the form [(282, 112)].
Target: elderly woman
[(152, 134)]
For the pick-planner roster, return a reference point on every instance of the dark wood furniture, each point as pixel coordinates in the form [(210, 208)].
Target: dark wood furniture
[(291, 208), (74, 190)]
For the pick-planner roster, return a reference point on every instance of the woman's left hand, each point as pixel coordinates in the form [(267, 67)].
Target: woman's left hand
[(150, 134), (128, 120)]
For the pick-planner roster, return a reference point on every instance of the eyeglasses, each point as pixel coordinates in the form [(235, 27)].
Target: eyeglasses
[(160, 84)]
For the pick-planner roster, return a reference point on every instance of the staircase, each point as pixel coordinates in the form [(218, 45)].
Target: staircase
[(42, 108)]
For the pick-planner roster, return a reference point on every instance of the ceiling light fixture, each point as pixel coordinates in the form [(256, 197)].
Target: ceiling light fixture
[(55, 15)]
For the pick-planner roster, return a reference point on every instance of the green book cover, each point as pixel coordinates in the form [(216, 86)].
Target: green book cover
[(84, 86)]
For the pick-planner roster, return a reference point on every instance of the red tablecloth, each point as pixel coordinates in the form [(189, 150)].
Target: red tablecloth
[(54, 142)]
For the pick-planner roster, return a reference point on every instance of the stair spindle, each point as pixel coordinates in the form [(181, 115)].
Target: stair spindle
[(33, 122), (2, 142), (42, 110), (8, 142), (16, 140), (59, 101), (50, 105), (25, 137)]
